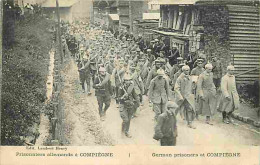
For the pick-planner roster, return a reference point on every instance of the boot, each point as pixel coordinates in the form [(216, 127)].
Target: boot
[(224, 114), (127, 134), (229, 118), (208, 120), (190, 125)]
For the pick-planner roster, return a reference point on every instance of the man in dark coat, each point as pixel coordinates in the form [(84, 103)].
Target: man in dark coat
[(166, 127)]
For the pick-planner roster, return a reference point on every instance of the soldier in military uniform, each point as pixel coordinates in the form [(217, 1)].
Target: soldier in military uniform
[(93, 64), (84, 73), (217, 71), (195, 74), (103, 91), (166, 127), (184, 97), (159, 92), (230, 98), (153, 72), (127, 100), (177, 74), (138, 86), (207, 93)]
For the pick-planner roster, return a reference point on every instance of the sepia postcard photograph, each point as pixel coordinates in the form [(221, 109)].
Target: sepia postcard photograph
[(136, 82)]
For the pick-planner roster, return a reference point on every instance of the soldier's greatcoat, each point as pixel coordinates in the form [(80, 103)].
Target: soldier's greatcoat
[(159, 90), (207, 89), (183, 91), (228, 88)]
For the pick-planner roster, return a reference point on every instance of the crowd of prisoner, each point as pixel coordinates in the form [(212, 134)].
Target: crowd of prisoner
[(126, 68)]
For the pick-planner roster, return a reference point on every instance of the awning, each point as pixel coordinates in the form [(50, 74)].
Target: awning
[(63, 3), (149, 16), (177, 35), (114, 17), (177, 2)]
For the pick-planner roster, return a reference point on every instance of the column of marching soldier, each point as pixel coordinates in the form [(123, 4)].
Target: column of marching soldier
[(120, 70)]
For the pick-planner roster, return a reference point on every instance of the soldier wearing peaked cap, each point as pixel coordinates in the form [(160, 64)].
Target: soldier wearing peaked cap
[(159, 93), (166, 127), (195, 74), (138, 86), (103, 91), (153, 73), (175, 68), (127, 99)]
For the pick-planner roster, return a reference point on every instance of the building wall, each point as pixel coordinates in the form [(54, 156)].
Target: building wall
[(24, 2), (82, 9)]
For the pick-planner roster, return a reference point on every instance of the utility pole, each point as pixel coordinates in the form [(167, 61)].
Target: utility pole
[(130, 16), (59, 30)]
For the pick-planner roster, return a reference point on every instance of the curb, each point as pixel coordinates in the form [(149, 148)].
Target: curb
[(247, 120)]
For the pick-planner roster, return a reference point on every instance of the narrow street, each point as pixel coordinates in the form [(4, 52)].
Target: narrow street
[(83, 126)]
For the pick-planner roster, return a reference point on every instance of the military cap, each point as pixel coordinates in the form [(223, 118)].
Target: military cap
[(230, 67), (185, 67), (171, 104), (174, 46), (141, 53), (102, 69), (149, 50), (199, 61), (138, 50), (152, 41), (179, 58), (157, 61), (132, 67), (182, 64), (162, 60), (160, 72), (141, 59), (127, 77), (85, 57), (156, 40), (208, 66)]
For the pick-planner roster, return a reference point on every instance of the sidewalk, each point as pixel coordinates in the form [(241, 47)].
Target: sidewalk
[(247, 114)]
